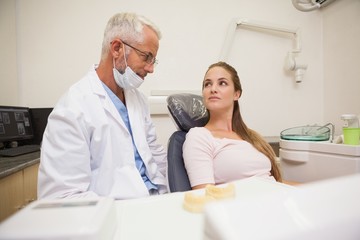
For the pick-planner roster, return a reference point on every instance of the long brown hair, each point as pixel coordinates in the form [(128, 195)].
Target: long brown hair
[(240, 128)]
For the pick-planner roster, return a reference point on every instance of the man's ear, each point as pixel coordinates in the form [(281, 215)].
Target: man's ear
[(116, 47)]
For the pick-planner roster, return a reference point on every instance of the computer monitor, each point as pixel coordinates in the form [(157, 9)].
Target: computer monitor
[(15, 124), (39, 117)]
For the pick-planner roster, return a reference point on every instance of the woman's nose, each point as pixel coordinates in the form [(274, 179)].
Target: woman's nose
[(213, 88)]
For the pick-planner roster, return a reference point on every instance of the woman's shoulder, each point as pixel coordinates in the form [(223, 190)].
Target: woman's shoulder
[(198, 130), (198, 136), (200, 133)]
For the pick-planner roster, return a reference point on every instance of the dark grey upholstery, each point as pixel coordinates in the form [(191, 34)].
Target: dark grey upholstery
[(187, 110), (177, 175)]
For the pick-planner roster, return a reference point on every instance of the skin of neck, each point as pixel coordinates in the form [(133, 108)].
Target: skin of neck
[(105, 74), (220, 121)]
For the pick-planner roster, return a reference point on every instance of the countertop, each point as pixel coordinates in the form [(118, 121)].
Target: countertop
[(274, 143), (177, 223), (272, 139), (10, 165), (160, 217), (262, 209)]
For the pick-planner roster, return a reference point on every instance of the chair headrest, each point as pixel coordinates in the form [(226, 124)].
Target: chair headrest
[(187, 110)]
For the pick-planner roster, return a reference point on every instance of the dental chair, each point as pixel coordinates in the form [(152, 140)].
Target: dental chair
[(187, 111)]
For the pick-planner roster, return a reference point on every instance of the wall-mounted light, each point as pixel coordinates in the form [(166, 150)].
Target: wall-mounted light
[(290, 64), (310, 5)]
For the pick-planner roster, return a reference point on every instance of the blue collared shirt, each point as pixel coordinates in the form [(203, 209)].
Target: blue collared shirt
[(125, 117)]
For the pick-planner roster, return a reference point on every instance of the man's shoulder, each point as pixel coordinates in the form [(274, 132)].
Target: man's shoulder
[(87, 84), (87, 79)]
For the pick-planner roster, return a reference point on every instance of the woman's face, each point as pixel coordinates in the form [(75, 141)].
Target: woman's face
[(218, 90)]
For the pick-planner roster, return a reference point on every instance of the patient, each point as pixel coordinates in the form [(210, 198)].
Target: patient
[(225, 149)]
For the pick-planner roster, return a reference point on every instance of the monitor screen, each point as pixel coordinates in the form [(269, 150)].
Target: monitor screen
[(15, 124), (39, 117)]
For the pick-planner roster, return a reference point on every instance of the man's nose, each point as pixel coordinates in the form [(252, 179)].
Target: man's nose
[(149, 68)]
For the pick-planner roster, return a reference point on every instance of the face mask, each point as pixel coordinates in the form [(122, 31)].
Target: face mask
[(128, 80)]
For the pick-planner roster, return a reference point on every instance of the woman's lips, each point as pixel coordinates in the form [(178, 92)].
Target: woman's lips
[(214, 98)]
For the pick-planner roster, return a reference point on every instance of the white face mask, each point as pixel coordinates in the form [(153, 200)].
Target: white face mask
[(128, 80)]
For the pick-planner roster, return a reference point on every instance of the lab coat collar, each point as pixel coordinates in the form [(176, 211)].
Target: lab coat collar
[(98, 89)]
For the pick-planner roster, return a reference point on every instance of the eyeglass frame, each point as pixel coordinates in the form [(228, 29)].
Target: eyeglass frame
[(150, 59)]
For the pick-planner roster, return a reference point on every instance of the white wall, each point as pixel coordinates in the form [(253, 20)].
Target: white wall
[(9, 92), (341, 37), (57, 41)]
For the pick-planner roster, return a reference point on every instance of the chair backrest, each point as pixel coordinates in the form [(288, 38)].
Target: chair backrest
[(177, 175), (187, 110)]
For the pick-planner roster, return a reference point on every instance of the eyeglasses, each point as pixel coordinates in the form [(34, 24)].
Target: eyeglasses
[(149, 58)]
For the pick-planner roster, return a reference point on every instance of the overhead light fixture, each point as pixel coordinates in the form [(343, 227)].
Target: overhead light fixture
[(310, 5)]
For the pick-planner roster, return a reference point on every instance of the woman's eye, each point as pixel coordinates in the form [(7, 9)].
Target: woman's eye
[(223, 83)]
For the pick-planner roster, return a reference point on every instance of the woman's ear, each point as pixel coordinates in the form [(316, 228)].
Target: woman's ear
[(237, 95)]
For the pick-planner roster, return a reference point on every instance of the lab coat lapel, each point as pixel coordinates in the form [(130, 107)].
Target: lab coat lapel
[(137, 114), (108, 105), (135, 111)]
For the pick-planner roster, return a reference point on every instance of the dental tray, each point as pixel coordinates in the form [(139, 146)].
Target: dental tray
[(306, 133)]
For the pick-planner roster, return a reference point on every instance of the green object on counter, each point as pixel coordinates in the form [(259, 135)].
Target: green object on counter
[(351, 136)]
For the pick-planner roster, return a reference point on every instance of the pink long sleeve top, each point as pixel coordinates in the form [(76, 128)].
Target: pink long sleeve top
[(221, 160)]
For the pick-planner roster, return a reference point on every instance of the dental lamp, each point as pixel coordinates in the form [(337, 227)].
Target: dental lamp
[(310, 5), (306, 5)]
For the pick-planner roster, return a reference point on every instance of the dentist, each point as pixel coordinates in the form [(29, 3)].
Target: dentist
[(100, 140)]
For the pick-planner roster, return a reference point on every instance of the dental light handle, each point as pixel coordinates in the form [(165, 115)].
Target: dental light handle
[(292, 65)]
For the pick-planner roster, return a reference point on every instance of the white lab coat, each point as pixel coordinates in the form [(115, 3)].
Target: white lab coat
[(87, 151)]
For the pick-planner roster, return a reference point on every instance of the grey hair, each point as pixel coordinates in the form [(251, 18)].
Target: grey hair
[(128, 27)]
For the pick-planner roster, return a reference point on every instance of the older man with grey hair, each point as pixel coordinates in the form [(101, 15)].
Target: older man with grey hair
[(100, 140)]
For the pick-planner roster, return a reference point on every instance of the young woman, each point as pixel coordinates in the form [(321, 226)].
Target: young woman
[(225, 149)]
